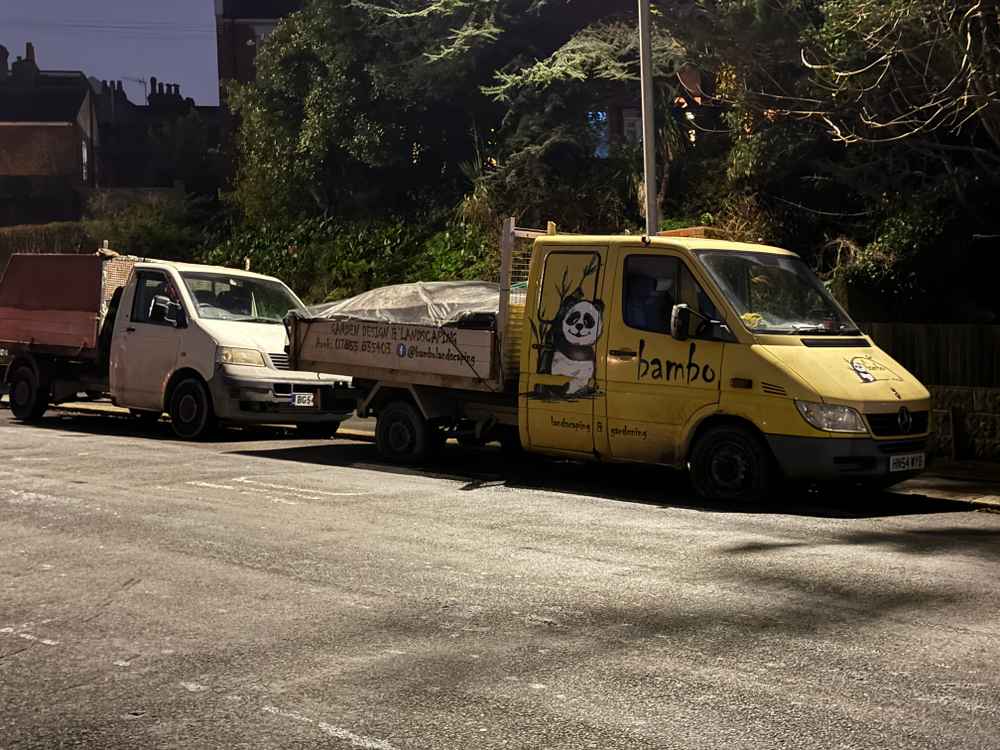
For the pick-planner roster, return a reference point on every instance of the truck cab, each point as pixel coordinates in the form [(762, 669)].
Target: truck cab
[(202, 343), (730, 359)]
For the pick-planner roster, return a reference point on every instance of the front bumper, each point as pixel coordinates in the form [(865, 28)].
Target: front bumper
[(267, 398), (830, 459)]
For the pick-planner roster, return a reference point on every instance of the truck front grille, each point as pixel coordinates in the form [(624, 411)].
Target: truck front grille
[(891, 425), (280, 361)]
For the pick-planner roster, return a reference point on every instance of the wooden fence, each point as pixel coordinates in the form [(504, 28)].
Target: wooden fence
[(943, 354)]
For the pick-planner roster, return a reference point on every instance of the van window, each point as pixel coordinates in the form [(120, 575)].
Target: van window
[(653, 284), (650, 291), (151, 284)]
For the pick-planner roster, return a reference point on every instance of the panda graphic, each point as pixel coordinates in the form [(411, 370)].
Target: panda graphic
[(862, 371), (575, 333)]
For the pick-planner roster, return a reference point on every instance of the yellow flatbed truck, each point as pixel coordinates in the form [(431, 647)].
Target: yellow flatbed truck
[(729, 359)]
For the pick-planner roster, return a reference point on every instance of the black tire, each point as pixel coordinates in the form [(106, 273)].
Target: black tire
[(731, 463), (191, 414), (510, 441), (318, 430), (29, 398), (402, 435)]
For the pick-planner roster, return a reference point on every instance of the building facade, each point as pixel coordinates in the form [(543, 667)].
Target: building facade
[(240, 26)]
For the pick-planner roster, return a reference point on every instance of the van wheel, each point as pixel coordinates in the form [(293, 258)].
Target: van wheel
[(402, 435), (731, 464), (191, 414), (28, 397)]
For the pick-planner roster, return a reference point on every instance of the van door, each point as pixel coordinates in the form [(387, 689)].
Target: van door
[(146, 345), (655, 384), (565, 369)]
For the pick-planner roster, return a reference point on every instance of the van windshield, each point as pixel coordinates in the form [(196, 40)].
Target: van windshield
[(221, 297), (776, 294)]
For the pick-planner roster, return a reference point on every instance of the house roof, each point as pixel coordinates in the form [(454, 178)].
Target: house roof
[(58, 104), (259, 9)]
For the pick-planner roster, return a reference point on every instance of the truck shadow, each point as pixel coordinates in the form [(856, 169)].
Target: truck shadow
[(485, 468), (101, 424)]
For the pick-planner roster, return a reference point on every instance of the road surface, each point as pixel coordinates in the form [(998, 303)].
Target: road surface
[(266, 592)]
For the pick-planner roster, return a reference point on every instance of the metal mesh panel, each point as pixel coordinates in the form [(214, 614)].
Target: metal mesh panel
[(516, 323), (115, 274)]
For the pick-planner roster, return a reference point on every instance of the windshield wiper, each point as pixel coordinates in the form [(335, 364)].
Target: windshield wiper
[(823, 331)]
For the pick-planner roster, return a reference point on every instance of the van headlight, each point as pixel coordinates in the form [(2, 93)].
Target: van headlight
[(831, 417), (228, 355)]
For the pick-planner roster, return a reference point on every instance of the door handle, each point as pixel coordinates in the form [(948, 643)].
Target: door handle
[(623, 353), (129, 330)]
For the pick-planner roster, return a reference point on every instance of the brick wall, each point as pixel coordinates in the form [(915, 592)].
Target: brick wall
[(966, 422)]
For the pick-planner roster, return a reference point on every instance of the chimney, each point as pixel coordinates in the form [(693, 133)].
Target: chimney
[(4, 57), (29, 52)]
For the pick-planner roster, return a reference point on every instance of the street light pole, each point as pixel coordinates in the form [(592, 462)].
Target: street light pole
[(648, 123)]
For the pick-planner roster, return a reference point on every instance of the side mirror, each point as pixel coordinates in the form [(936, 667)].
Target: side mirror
[(680, 322), (164, 310)]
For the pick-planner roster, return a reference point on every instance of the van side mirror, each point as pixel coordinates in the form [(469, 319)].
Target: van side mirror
[(680, 322), (165, 310)]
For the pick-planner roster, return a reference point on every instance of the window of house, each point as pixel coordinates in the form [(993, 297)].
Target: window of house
[(600, 127), (632, 125)]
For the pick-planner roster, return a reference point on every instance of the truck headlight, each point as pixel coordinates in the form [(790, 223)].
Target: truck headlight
[(228, 355), (832, 418)]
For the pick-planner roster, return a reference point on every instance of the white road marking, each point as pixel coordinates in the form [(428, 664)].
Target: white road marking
[(356, 740), (194, 687), (210, 486), (24, 635), (299, 490)]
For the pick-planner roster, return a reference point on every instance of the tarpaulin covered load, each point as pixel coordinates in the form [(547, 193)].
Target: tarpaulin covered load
[(436, 303)]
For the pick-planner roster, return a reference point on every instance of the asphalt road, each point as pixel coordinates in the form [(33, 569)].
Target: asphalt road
[(267, 592)]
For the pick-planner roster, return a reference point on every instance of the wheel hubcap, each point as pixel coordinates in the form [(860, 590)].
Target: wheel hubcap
[(731, 468), (400, 437), (187, 408)]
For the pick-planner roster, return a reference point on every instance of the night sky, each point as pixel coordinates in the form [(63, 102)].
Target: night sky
[(171, 40)]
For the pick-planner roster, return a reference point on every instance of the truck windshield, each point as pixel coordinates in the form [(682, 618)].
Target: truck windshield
[(241, 299), (776, 294)]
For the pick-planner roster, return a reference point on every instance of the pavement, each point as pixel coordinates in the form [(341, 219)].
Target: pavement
[(264, 591)]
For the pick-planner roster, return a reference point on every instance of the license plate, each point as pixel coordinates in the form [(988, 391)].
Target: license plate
[(910, 462), (304, 399)]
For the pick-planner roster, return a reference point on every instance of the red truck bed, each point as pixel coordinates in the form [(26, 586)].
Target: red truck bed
[(57, 302)]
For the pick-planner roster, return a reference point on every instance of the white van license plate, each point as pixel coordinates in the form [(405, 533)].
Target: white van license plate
[(911, 462), (307, 400)]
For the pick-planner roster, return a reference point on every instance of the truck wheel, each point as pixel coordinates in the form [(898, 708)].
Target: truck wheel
[(731, 464), (402, 435), (28, 397), (510, 442), (191, 413)]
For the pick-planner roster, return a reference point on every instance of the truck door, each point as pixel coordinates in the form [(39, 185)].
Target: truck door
[(655, 384), (565, 369), (144, 353)]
